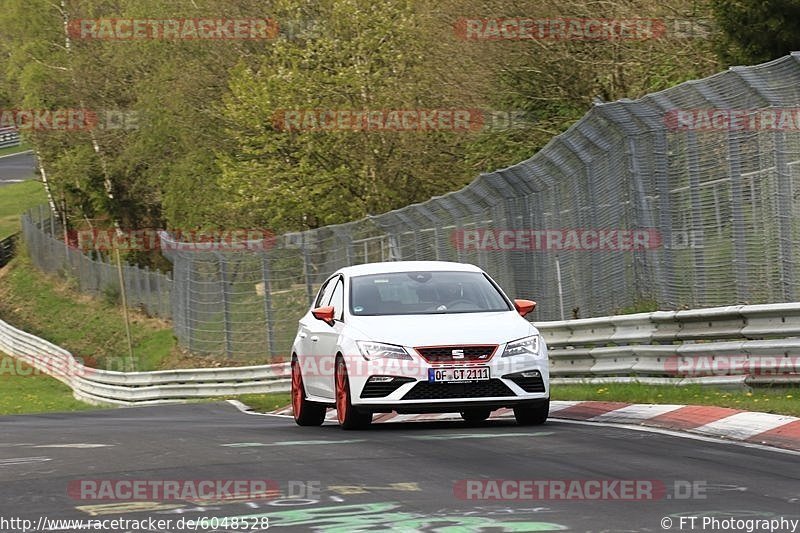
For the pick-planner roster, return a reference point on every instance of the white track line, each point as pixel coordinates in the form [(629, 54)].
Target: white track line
[(646, 429), (744, 425), (671, 433), (16, 154), (636, 413)]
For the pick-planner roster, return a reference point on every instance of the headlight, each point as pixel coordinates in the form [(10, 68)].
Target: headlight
[(378, 350), (526, 346)]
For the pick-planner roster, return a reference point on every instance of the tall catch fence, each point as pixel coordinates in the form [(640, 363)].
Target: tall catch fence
[(712, 206), (95, 274)]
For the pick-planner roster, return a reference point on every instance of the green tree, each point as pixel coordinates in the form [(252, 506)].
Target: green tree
[(755, 31), (364, 57)]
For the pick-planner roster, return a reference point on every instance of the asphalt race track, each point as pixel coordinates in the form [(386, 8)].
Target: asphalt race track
[(16, 168), (393, 477)]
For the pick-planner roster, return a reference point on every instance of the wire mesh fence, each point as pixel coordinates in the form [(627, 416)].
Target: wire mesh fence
[(684, 198), (96, 273)]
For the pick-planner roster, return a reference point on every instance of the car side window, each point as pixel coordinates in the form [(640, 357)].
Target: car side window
[(325, 293), (337, 300)]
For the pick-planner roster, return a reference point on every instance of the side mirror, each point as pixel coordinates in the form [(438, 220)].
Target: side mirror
[(324, 313), (524, 307)]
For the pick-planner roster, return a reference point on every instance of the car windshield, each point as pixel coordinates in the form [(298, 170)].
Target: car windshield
[(413, 293)]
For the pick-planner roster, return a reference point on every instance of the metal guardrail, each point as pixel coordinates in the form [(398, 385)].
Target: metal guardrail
[(656, 348), (140, 388), (9, 137), (761, 342), (7, 247)]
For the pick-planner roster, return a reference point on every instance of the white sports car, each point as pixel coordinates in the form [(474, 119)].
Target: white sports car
[(417, 337)]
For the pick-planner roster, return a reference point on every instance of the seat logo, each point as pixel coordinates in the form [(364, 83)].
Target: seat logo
[(458, 354)]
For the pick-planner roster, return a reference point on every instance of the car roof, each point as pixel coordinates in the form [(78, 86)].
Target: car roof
[(407, 266)]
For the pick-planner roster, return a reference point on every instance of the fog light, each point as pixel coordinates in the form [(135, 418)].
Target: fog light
[(531, 374)]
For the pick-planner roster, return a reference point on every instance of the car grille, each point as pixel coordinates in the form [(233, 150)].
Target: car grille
[(446, 391), (444, 354), (532, 384), (381, 390)]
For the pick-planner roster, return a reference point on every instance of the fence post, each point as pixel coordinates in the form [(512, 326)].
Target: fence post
[(595, 305), (348, 246), (159, 295), (659, 170), (226, 305), (148, 292), (307, 270), (784, 215), (647, 268), (187, 302), (265, 275), (737, 213), (696, 217)]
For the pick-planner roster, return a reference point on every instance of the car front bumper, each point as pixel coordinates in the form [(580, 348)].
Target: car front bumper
[(405, 386)]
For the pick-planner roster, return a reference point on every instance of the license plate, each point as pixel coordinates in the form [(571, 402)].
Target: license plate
[(455, 375)]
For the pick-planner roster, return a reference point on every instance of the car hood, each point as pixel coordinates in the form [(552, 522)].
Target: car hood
[(443, 329)]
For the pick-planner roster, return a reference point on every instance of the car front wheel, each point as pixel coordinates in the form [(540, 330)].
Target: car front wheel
[(305, 413), (532, 416), (349, 416)]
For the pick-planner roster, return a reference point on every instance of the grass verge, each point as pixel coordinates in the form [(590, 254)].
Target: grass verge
[(24, 147), (265, 403), (27, 391), (768, 400), (89, 328), (15, 199)]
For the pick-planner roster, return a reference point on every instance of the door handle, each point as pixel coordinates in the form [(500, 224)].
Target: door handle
[(314, 338), (302, 335)]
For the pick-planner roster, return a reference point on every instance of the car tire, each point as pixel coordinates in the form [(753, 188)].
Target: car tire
[(349, 416), (476, 414), (305, 413), (532, 416)]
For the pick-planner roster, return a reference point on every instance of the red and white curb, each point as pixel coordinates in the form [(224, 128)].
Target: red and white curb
[(721, 422)]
